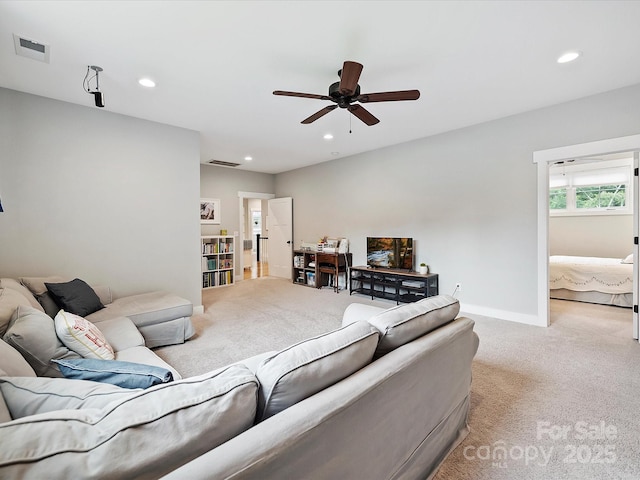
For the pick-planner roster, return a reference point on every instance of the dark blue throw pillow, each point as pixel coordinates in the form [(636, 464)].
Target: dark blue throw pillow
[(115, 372)]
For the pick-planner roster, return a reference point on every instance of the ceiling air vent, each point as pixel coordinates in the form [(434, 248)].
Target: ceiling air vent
[(222, 163), (31, 49)]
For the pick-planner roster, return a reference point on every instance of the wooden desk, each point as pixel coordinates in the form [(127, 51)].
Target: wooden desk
[(331, 264), (310, 268)]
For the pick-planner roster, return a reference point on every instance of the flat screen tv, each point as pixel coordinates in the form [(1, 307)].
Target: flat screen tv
[(390, 252)]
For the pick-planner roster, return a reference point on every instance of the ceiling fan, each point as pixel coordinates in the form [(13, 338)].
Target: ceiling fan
[(347, 91)]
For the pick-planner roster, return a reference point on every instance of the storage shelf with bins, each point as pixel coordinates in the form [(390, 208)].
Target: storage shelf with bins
[(304, 268), (218, 260), (398, 285)]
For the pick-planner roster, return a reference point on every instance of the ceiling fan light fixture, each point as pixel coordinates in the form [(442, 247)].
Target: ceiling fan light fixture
[(248, 158), (147, 82), (568, 56)]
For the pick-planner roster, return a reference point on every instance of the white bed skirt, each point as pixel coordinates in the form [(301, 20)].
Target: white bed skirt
[(618, 300)]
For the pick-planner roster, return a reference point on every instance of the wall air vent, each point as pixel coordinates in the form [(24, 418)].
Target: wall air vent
[(31, 49), (222, 163)]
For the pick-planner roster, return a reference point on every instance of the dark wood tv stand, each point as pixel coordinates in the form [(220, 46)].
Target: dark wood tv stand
[(392, 284)]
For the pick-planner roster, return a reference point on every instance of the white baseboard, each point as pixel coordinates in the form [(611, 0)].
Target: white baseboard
[(502, 314), (198, 310)]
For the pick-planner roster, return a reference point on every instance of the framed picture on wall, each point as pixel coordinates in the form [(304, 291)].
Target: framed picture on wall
[(210, 211)]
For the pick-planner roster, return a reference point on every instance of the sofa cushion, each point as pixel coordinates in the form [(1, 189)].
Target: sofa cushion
[(301, 370), (5, 416), (36, 284), (9, 301), (75, 296), (146, 356), (121, 333), (13, 364), (37, 395), (13, 284), (48, 304), (146, 435), (33, 334), (404, 323), (146, 308), (122, 374), (82, 336)]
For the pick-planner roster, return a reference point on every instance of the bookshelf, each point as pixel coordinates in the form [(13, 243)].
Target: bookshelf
[(218, 260)]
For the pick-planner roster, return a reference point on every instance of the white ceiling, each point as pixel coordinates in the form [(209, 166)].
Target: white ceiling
[(217, 63)]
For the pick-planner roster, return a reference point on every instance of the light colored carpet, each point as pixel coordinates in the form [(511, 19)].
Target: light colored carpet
[(529, 383)]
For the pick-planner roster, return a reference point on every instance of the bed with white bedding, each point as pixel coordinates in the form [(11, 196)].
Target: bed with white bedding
[(608, 281)]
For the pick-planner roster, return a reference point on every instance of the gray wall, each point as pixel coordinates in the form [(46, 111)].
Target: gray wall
[(225, 183), (104, 197), (591, 236), (467, 197)]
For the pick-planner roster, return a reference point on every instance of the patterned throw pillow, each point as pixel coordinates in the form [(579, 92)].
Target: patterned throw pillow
[(82, 336)]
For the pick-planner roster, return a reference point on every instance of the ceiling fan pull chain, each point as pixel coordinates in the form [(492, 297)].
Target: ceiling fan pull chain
[(350, 115)]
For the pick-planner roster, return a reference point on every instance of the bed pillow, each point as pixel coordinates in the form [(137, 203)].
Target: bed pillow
[(628, 258), (33, 334), (147, 434), (304, 369), (404, 323), (75, 296), (82, 336), (122, 374)]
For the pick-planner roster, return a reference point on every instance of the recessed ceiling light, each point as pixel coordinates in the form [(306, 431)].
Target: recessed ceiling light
[(335, 153), (147, 82), (248, 158), (328, 136), (568, 57)]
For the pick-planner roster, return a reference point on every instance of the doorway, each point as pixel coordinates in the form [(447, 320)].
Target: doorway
[(254, 257), (591, 237), (543, 159)]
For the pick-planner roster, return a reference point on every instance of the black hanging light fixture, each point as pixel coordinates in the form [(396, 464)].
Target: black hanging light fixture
[(97, 94)]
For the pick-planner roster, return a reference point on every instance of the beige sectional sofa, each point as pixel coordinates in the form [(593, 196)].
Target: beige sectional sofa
[(161, 317), (386, 396)]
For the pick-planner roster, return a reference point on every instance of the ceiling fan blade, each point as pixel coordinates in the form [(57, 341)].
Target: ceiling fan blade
[(389, 96), (363, 114), (302, 95), (319, 114), (349, 77)]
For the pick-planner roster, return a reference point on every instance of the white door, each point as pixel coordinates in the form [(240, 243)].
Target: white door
[(636, 234), (280, 234)]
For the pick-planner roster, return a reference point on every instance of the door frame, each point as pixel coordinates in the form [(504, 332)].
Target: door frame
[(543, 158), (241, 198)]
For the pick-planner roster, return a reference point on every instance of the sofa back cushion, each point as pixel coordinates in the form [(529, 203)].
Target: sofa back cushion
[(12, 364), (146, 434), (13, 284), (404, 323), (28, 396), (5, 416), (9, 300), (305, 368), (32, 333)]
